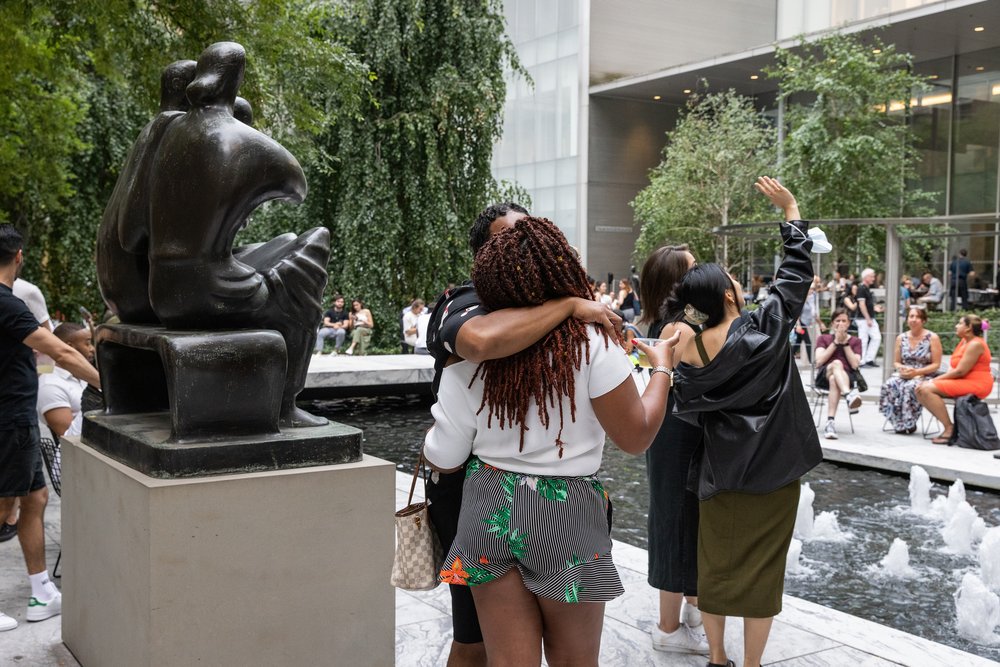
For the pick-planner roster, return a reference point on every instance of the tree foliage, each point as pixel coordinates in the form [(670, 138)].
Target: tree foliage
[(81, 78), (849, 152), (718, 148), (414, 171)]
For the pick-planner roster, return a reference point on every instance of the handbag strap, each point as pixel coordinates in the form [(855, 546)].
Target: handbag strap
[(421, 461)]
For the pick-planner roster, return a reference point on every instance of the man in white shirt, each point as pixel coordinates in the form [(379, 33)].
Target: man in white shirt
[(59, 393), (410, 318)]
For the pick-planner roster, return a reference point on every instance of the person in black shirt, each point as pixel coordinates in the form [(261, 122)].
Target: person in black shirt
[(335, 324), (461, 328), (958, 273), (20, 456), (868, 331)]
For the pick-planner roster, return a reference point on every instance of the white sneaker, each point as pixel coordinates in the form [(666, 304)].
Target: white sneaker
[(39, 611), (853, 401), (690, 616), (830, 432), (681, 640), (6, 622)]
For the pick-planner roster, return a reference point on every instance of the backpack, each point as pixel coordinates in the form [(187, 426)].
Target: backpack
[(974, 427)]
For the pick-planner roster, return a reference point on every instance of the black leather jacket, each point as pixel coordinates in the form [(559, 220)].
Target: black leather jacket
[(758, 429)]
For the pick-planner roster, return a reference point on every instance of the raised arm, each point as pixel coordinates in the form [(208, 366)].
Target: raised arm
[(795, 273), (508, 331)]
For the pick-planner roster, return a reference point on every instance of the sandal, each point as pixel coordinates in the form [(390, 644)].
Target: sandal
[(729, 663), (941, 440)]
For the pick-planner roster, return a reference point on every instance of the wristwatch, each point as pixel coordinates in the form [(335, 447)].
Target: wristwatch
[(669, 372)]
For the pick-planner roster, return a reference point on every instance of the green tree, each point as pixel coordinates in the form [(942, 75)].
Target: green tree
[(81, 78), (413, 171), (718, 148), (849, 152)]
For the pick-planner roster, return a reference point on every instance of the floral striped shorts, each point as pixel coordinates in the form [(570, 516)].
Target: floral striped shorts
[(553, 529)]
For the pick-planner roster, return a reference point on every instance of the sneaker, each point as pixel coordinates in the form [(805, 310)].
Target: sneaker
[(681, 640), (7, 531), (6, 622), (853, 401), (349, 352), (830, 432), (690, 616), (39, 611)]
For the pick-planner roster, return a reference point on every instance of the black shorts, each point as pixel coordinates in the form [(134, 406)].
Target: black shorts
[(445, 496), (20, 462)]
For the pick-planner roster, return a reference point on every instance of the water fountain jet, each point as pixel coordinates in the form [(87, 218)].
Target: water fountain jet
[(989, 558), (977, 611), (897, 562), (804, 515), (920, 491)]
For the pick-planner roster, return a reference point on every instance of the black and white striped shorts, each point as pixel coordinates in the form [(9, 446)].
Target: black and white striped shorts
[(553, 529)]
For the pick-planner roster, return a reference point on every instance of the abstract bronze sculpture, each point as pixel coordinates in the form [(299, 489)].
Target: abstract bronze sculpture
[(167, 266)]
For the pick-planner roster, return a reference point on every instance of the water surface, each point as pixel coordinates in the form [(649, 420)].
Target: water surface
[(871, 507)]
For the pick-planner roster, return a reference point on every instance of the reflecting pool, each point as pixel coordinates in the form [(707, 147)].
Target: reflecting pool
[(872, 510)]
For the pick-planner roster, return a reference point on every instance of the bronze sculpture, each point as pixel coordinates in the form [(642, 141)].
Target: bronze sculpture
[(195, 174)]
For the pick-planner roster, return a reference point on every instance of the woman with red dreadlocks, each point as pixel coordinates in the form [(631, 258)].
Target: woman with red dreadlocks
[(533, 537)]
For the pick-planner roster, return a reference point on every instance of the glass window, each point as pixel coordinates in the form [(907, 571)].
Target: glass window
[(569, 43), (545, 174), (525, 20), (931, 119), (566, 171), (568, 13), (546, 18), (543, 202), (548, 48), (976, 133)]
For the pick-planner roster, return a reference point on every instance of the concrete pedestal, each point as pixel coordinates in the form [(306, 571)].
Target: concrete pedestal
[(285, 567)]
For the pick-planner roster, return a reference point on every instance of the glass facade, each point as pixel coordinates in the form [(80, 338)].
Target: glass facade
[(976, 137), (540, 145), (796, 17)]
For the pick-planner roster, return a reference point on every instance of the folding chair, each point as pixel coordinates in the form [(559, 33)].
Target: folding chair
[(819, 405), (930, 427), (52, 453)]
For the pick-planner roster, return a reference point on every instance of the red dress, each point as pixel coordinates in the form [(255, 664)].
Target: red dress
[(978, 381)]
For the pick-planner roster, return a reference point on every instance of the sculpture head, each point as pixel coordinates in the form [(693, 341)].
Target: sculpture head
[(219, 75), (174, 82), (242, 111)]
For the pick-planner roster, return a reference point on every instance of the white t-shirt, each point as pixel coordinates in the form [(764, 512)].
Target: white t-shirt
[(422, 322), (458, 431), (32, 296), (410, 322), (59, 389)]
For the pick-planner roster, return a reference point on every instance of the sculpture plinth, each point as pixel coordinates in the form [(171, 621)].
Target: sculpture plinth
[(189, 403)]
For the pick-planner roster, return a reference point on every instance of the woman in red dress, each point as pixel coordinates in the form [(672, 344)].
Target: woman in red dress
[(969, 374)]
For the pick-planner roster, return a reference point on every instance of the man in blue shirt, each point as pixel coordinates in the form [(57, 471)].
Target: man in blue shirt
[(20, 456)]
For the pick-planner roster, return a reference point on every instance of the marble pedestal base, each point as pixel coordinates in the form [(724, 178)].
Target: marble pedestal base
[(286, 567)]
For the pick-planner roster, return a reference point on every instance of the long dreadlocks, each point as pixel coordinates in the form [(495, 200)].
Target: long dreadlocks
[(526, 266)]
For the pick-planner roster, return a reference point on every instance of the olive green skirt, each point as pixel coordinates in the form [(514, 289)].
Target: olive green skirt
[(743, 539)]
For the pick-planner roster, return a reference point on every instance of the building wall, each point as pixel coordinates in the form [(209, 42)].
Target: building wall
[(629, 37), (626, 141), (540, 147)]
